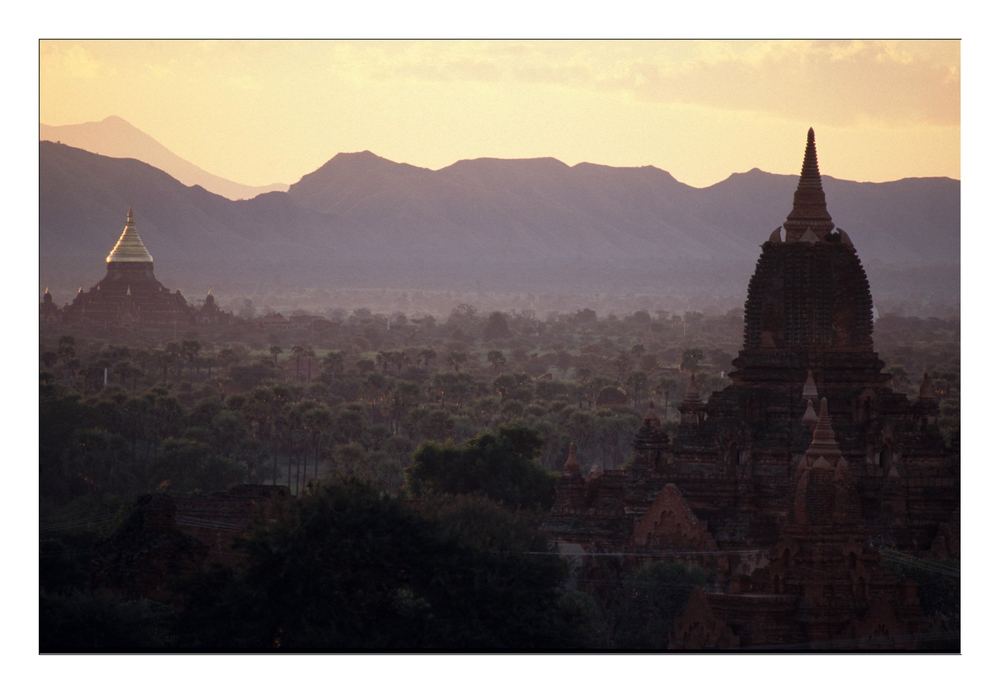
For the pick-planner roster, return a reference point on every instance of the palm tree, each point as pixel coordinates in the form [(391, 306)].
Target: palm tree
[(189, 351), (298, 352), (334, 361), (309, 355), (496, 359), (663, 387), (275, 353), (637, 384), (456, 359), (67, 348), (173, 352), (426, 356), (317, 420)]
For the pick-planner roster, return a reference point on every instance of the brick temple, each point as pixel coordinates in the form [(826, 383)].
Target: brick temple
[(130, 295), (792, 485)]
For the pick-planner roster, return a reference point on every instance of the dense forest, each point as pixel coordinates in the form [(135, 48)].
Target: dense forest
[(419, 456)]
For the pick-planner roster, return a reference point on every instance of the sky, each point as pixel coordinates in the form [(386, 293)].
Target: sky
[(261, 112)]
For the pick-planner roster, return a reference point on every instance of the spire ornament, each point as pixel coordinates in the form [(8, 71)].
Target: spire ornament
[(129, 247), (809, 211)]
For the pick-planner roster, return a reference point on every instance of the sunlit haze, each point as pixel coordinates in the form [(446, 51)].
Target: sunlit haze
[(260, 112)]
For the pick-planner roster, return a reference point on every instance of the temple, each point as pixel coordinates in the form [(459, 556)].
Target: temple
[(796, 484), (129, 294)]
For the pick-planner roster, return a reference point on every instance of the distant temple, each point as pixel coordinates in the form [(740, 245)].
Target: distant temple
[(130, 294), (793, 484)]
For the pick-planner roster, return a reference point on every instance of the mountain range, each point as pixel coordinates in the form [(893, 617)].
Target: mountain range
[(116, 137), (527, 225)]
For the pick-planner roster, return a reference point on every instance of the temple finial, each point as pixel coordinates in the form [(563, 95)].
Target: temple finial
[(571, 466), (809, 390), (810, 163), (809, 206), (692, 395), (809, 417), (129, 247), (824, 441), (926, 387)]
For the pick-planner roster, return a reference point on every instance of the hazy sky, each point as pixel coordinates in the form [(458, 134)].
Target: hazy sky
[(259, 112)]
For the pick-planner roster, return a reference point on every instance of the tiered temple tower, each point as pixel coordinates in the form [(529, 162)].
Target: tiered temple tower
[(807, 339), (808, 335), (130, 294), (790, 485)]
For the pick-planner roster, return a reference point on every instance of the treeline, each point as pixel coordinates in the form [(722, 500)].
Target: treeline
[(458, 564), (392, 432)]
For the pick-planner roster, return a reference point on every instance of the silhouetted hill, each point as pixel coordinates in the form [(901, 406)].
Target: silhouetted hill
[(534, 225), (191, 232), (116, 137)]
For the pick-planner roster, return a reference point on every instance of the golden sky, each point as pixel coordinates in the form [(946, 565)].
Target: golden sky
[(259, 112)]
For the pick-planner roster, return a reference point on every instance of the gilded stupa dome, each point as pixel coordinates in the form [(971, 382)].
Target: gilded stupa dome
[(129, 247)]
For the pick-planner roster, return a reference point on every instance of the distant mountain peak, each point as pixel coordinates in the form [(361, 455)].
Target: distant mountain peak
[(364, 154), (116, 137)]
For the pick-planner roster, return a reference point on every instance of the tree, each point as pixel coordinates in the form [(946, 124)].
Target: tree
[(637, 384), (649, 601), (190, 465), (427, 357), (456, 359), (497, 465), (663, 387), (98, 462), (691, 358), (67, 348), (189, 351), (622, 363), (348, 568), (496, 327), (496, 359), (275, 353)]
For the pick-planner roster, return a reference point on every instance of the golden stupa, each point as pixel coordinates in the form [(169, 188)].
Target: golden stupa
[(129, 247)]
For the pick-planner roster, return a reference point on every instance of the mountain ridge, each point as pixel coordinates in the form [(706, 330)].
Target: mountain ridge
[(116, 137), (485, 225)]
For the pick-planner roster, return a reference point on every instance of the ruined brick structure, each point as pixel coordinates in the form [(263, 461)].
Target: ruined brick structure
[(48, 311), (794, 478), (169, 537), (129, 294), (210, 314)]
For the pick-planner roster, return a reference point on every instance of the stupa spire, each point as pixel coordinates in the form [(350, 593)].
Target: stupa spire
[(809, 390), (692, 395), (810, 165), (129, 247), (926, 387), (824, 441), (809, 417), (651, 418), (571, 466), (809, 205)]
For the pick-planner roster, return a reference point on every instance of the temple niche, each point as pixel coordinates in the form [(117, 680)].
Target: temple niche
[(129, 294), (801, 477)]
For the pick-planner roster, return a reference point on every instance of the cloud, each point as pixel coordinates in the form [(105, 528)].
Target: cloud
[(832, 82), (72, 60), (835, 83)]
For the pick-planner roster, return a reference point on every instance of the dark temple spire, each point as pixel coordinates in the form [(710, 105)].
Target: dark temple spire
[(810, 166), (809, 206)]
